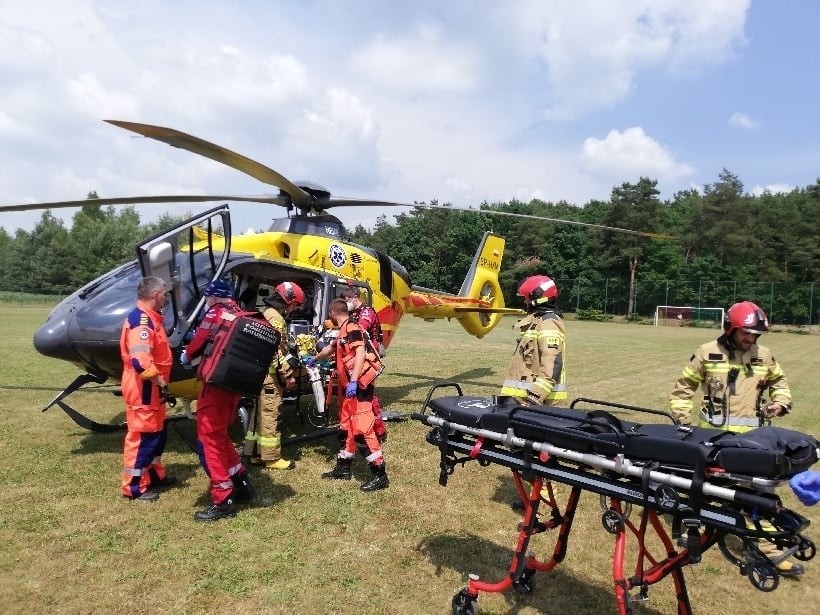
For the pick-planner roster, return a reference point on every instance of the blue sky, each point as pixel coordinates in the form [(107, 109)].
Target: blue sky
[(462, 101)]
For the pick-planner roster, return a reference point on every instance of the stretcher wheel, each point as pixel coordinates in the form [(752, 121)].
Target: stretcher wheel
[(316, 416), (464, 604), (805, 550), (525, 583), (613, 521), (733, 549), (763, 576), (626, 507)]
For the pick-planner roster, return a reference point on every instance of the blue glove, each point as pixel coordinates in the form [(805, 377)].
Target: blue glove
[(351, 388), (310, 362), (806, 487), (183, 358)]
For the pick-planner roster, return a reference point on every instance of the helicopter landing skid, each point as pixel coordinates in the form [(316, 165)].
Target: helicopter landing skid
[(75, 385), (92, 425)]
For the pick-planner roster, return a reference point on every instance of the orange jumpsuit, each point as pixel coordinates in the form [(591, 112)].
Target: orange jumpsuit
[(368, 320), (145, 354), (215, 411), (356, 414)]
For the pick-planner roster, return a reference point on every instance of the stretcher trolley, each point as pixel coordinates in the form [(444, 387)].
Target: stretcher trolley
[(716, 487)]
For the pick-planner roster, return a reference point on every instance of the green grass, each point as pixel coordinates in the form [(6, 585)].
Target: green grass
[(71, 545)]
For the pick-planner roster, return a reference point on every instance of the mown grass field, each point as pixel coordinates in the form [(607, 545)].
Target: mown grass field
[(72, 545)]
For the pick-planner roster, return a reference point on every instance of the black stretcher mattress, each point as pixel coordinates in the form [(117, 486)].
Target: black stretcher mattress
[(765, 452)]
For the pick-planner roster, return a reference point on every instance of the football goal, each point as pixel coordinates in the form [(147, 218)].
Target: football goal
[(684, 316)]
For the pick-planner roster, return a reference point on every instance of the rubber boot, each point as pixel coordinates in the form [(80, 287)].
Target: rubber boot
[(788, 568), (379, 480), (217, 511), (243, 491), (341, 471)]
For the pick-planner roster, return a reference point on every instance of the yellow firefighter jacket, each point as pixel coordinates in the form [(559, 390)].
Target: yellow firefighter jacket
[(279, 366), (733, 384), (536, 370)]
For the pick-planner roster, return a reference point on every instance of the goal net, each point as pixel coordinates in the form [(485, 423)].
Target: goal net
[(685, 316)]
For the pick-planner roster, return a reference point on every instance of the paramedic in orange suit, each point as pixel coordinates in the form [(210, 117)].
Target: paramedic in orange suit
[(357, 371), (146, 359)]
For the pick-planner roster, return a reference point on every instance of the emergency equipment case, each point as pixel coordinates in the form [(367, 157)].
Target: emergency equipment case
[(239, 354)]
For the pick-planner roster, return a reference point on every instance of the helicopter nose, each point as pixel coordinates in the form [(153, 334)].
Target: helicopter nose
[(52, 340)]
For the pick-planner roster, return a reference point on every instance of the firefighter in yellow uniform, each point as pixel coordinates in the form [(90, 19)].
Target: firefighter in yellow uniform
[(735, 374), (263, 442), (536, 372)]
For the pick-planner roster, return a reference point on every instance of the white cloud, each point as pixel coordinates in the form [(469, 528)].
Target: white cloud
[(772, 189), (630, 154), (741, 120), (424, 61), (593, 50)]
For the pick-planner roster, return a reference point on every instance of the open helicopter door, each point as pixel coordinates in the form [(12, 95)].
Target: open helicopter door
[(188, 256)]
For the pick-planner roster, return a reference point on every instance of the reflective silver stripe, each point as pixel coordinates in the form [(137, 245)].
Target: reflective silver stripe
[(559, 387), (517, 384), (132, 471), (225, 484), (374, 456), (235, 469), (732, 421)]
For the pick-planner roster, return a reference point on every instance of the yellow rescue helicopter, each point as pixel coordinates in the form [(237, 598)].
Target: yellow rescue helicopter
[(308, 247)]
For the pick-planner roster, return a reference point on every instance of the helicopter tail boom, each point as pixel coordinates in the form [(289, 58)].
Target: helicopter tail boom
[(479, 305)]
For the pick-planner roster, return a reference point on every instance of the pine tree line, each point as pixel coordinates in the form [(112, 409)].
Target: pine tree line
[(723, 245)]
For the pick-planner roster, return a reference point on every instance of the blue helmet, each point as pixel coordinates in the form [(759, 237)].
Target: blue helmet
[(219, 288)]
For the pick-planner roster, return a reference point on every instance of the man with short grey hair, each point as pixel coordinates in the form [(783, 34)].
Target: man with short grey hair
[(146, 360)]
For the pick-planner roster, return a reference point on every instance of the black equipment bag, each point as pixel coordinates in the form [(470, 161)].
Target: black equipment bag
[(769, 451), (239, 355)]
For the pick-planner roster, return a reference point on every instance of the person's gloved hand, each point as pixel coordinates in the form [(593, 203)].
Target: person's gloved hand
[(351, 388), (310, 362), (806, 487), (183, 358)]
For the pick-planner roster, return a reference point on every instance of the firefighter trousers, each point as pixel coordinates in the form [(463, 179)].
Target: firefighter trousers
[(264, 430)]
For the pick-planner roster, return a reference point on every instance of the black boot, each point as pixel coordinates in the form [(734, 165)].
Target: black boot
[(341, 471), (217, 511), (379, 480), (243, 491)]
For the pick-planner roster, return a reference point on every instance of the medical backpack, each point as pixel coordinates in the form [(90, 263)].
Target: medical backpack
[(239, 354)]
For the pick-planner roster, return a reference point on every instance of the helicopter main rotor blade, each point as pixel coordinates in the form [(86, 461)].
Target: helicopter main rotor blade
[(352, 202), (126, 200), (218, 153), (494, 212)]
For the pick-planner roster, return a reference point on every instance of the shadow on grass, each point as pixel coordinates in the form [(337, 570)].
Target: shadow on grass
[(554, 591), (396, 393)]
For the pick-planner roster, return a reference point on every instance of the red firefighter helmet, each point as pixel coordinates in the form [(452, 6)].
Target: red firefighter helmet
[(746, 316), (538, 289), (291, 293)]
